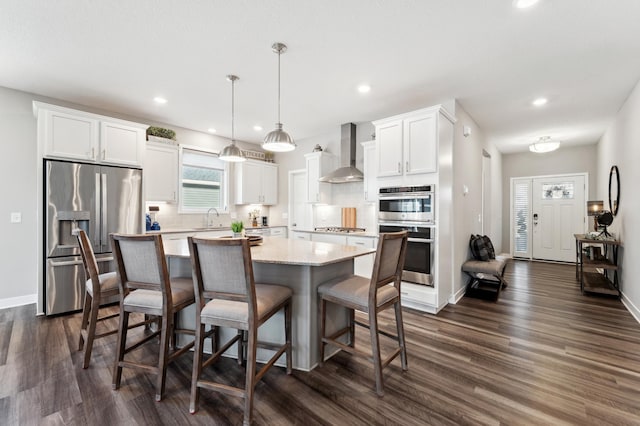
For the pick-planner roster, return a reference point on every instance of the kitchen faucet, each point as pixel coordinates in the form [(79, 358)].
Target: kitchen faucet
[(208, 215)]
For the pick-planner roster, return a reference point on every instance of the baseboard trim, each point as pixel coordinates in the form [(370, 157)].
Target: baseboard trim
[(12, 302), (455, 297), (633, 309)]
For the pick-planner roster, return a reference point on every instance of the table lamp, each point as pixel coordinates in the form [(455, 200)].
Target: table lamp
[(595, 209)]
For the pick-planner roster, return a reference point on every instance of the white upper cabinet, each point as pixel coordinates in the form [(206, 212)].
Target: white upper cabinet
[(121, 143), (318, 164), (256, 182), (76, 135), (161, 172), (408, 143), (370, 172)]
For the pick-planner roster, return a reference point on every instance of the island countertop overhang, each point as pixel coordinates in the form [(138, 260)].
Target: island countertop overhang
[(286, 251)]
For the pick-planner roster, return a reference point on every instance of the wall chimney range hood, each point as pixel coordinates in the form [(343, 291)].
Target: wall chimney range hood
[(347, 171)]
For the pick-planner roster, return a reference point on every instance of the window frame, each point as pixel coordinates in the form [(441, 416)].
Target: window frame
[(225, 187)]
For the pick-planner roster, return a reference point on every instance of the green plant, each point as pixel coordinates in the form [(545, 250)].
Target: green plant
[(237, 226), (161, 132)]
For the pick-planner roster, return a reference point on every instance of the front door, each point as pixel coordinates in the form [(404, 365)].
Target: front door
[(558, 212)]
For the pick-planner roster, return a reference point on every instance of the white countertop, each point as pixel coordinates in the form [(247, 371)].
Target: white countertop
[(286, 251)]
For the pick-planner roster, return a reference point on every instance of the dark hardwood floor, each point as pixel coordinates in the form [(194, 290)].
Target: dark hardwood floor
[(542, 354)]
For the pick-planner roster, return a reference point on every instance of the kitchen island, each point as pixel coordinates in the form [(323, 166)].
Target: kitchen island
[(300, 265)]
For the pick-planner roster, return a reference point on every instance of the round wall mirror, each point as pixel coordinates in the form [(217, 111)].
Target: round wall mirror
[(614, 190)]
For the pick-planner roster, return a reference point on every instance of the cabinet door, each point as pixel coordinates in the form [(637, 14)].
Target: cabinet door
[(69, 136), (318, 165), (248, 182), (370, 172), (420, 145), (389, 148), (269, 184), (363, 265), (280, 232), (121, 144), (329, 238), (161, 173), (297, 235)]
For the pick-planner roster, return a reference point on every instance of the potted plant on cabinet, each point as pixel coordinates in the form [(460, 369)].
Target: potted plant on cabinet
[(160, 134)]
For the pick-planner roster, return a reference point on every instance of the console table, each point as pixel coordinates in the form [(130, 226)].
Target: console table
[(597, 271)]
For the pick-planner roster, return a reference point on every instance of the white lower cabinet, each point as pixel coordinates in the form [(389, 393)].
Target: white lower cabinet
[(420, 297), (278, 231), (363, 265), (301, 235), (329, 238)]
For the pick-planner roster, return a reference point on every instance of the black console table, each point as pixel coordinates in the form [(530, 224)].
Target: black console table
[(597, 265)]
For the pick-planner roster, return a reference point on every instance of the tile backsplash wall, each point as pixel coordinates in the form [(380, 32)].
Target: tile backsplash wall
[(169, 218), (346, 195)]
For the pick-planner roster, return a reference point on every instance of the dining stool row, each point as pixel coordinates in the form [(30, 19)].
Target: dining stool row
[(225, 294), (222, 289)]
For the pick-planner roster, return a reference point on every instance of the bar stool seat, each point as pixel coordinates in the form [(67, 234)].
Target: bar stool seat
[(355, 290)]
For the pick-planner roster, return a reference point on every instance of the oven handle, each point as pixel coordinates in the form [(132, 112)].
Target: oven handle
[(427, 224), (405, 196), (419, 240)]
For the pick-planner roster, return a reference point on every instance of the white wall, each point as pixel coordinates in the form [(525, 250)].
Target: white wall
[(467, 171), (620, 146), (19, 248), (579, 159)]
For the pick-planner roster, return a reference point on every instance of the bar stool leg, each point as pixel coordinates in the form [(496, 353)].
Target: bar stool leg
[(375, 348)]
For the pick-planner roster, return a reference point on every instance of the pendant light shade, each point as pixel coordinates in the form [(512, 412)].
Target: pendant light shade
[(278, 140), (231, 152)]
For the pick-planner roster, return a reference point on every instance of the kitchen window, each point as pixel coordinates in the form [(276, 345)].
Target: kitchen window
[(203, 181)]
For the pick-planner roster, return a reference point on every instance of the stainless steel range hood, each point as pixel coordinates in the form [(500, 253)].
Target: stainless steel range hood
[(347, 171)]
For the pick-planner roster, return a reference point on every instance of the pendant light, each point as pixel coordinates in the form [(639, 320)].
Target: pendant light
[(231, 152), (278, 140)]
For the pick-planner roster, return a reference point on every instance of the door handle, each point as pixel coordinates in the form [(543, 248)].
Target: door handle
[(535, 219), (406, 169)]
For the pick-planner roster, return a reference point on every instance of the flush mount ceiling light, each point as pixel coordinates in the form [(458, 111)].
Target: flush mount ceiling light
[(523, 4), (159, 100), (364, 88), (278, 140), (540, 102), (231, 152), (211, 130), (257, 128), (544, 144)]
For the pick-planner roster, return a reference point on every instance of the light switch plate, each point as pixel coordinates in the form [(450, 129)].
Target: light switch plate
[(16, 217)]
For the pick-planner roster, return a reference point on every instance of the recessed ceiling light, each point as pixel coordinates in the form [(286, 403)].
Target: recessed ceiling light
[(364, 88), (523, 4), (540, 101), (211, 130), (159, 100), (257, 128)]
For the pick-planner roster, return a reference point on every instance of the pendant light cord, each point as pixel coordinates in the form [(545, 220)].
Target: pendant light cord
[(279, 52), (233, 138)]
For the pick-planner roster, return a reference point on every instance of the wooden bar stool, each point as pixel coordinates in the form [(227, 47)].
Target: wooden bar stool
[(227, 296), (145, 287), (98, 288), (382, 291)]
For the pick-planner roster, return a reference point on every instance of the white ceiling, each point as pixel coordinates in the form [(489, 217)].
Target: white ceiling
[(584, 56)]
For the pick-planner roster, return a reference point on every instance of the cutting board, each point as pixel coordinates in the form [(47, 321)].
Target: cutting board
[(348, 217)]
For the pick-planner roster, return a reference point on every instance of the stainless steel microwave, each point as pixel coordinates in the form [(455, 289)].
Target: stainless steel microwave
[(407, 204)]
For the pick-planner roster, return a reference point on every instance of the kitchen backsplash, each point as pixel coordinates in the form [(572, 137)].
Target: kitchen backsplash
[(169, 218)]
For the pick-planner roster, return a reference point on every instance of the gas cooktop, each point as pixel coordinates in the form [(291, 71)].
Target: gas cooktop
[(340, 229)]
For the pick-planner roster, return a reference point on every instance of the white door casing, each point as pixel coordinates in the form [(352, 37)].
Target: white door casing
[(558, 212)]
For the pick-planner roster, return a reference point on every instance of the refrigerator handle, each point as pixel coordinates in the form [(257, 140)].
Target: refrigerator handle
[(104, 235), (96, 233)]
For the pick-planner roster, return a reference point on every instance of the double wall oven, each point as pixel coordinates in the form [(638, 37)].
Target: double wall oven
[(411, 208)]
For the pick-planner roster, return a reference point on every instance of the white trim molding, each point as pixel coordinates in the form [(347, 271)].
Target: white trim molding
[(11, 302), (633, 309)]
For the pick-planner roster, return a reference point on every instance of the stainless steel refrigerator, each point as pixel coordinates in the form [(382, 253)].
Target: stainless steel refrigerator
[(98, 199)]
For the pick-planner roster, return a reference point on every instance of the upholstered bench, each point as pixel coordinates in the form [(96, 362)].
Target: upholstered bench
[(487, 277)]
